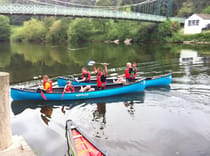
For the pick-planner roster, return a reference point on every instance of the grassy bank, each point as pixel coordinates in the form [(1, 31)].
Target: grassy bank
[(203, 37)]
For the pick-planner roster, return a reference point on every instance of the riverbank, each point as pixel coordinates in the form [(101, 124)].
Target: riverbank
[(62, 31)]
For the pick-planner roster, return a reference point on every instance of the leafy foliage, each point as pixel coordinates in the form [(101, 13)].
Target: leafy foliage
[(33, 30), (168, 28), (58, 31), (206, 10), (186, 10), (4, 28), (80, 30)]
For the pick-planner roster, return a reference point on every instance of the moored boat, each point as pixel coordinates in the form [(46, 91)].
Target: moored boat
[(79, 144), (161, 80), (57, 93)]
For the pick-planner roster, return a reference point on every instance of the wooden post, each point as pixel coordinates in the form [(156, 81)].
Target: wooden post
[(5, 127)]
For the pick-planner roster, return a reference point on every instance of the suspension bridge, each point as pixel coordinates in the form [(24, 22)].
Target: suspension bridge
[(147, 10)]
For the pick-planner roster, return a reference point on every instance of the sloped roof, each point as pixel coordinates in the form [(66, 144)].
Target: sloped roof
[(204, 16)]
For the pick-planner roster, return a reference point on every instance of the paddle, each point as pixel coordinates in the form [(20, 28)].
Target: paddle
[(62, 95), (43, 96), (91, 63)]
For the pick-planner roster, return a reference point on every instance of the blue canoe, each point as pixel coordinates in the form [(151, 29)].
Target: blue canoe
[(57, 94), (161, 80)]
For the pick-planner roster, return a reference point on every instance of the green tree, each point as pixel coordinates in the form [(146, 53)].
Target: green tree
[(4, 28), (48, 21), (186, 9), (58, 31), (206, 10), (80, 30), (33, 30), (168, 28)]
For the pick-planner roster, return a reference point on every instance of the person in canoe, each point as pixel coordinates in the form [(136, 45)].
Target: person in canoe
[(101, 77), (130, 73), (47, 84), (69, 88), (87, 88), (85, 75)]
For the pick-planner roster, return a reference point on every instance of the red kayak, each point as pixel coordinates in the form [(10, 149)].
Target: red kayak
[(79, 144)]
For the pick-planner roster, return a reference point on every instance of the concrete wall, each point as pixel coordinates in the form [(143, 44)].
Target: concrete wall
[(5, 130), (195, 29)]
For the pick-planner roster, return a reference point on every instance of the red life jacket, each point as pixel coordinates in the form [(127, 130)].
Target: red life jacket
[(86, 75), (70, 89), (49, 89), (100, 82), (130, 73)]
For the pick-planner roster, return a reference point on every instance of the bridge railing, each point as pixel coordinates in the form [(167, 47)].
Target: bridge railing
[(80, 12)]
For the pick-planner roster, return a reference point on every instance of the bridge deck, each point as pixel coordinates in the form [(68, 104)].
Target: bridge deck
[(28, 9)]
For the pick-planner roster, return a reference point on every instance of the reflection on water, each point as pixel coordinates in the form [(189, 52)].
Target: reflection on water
[(189, 56), (130, 107), (35, 60), (99, 119), (159, 122)]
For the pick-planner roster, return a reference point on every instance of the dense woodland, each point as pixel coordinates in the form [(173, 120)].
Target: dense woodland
[(68, 29)]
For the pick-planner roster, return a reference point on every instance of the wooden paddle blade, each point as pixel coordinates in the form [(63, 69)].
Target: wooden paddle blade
[(43, 96)]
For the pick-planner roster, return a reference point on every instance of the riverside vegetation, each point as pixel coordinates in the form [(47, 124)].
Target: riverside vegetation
[(61, 30)]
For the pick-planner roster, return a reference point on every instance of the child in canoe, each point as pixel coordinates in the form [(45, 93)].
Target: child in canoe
[(47, 84), (130, 73), (69, 88), (86, 77), (101, 77)]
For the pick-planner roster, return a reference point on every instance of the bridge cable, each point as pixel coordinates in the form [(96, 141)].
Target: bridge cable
[(94, 6)]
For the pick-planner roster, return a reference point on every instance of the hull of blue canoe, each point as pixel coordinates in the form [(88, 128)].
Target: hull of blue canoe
[(18, 94), (163, 80)]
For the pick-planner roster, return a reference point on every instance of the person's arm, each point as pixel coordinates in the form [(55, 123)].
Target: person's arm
[(81, 80), (94, 68), (64, 89), (105, 67), (134, 66), (73, 89)]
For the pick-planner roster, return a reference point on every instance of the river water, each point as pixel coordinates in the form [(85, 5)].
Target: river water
[(158, 122)]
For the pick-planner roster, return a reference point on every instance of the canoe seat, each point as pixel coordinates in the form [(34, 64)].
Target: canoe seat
[(76, 136)]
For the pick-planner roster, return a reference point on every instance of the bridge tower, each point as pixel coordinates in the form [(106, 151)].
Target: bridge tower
[(164, 7)]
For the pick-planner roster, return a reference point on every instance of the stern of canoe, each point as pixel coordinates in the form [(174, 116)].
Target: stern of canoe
[(163, 80), (18, 94)]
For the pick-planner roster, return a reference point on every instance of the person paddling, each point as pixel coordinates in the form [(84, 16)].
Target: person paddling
[(130, 72), (101, 77), (69, 88), (86, 77), (47, 84)]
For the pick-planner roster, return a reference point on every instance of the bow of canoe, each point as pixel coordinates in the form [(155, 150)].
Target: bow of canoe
[(79, 143), (162, 80)]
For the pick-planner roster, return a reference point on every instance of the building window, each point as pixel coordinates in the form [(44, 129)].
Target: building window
[(193, 22), (197, 22), (189, 23)]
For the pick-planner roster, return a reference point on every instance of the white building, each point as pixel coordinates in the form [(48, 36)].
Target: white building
[(196, 23)]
